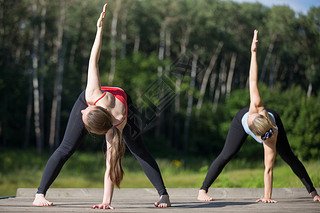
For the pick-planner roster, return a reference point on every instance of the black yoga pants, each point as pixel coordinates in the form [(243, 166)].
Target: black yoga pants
[(235, 139), (74, 134)]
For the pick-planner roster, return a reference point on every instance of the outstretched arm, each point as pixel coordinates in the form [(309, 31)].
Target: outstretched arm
[(269, 157), (93, 81), (255, 99), (108, 185)]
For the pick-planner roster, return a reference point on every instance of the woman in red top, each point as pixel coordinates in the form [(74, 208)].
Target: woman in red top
[(102, 111)]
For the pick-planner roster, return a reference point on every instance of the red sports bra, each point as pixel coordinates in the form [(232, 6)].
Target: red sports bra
[(119, 94)]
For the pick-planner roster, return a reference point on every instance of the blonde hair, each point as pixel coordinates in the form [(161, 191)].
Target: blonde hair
[(99, 121), (261, 124)]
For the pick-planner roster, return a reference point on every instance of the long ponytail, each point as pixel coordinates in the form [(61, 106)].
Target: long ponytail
[(117, 152)]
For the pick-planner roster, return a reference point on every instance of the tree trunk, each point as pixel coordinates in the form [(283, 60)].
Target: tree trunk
[(309, 92), (206, 76), (213, 79), (231, 71), (177, 127), (136, 42), (35, 82), (171, 125), (183, 48), (161, 46), (266, 60), (59, 92), (224, 77), (84, 75), (274, 72), (291, 73), (162, 125), (218, 89), (160, 72), (124, 34), (73, 51), (58, 81), (184, 40), (84, 64), (190, 100), (113, 41), (28, 115), (309, 89), (168, 48), (42, 67), (5, 48)]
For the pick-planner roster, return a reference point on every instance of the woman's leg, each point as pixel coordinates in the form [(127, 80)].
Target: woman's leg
[(235, 139), (138, 149), (284, 150), (74, 133)]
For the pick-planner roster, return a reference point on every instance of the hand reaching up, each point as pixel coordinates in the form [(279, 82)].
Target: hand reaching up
[(100, 21), (254, 41)]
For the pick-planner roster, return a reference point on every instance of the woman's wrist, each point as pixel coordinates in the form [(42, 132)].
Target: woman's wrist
[(106, 203)]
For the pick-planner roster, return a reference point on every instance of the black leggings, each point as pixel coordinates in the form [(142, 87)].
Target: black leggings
[(235, 139), (74, 134)]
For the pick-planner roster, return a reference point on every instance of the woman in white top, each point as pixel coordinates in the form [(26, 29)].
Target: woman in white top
[(265, 126)]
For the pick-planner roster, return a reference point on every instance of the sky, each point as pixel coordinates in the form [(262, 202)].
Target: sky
[(299, 6)]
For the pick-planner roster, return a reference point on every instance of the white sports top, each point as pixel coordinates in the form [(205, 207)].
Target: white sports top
[(246, 128)]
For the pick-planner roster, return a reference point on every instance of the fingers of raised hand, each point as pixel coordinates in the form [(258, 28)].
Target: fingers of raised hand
[(105, 7), (255, 35), (255, 38), (254, 41), (104, 10), (102, 16)]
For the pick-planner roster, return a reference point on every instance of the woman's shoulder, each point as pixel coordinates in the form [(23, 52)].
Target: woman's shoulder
[(92, 96), (254, 109)]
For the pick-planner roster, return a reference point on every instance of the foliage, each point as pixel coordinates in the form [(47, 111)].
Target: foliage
[(291, 72), (21, 169)]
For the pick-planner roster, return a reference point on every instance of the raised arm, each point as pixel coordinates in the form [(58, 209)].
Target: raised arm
[(255, 99), (93, 81)]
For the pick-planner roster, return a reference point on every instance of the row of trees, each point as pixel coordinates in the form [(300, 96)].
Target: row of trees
[(185, 63)]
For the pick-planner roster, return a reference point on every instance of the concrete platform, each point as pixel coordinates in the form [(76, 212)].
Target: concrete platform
[(183, 200)]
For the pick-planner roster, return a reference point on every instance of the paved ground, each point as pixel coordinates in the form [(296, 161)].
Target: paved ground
[(183, 200)]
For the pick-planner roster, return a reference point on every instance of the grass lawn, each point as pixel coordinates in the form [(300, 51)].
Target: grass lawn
[(86, 170)]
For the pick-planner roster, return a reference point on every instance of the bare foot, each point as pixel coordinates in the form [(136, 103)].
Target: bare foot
[(40, 200), (316, 198), (203, 196), (164, 202)]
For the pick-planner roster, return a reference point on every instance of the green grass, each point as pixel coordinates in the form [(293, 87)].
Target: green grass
[(86, 170)]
